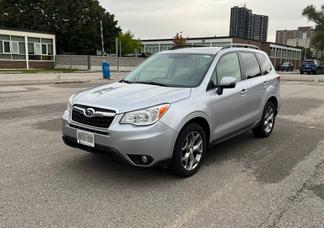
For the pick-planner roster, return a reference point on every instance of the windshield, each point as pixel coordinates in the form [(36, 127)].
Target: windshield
[(174, 70)]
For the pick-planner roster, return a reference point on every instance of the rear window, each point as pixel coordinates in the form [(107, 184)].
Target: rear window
[(250, 65), (266, 65)]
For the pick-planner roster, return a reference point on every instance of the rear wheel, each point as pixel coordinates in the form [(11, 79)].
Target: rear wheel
[(301, 72), (189, 150), (265, 128)]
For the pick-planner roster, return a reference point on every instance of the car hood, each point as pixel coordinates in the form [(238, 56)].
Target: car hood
[(123, 97)]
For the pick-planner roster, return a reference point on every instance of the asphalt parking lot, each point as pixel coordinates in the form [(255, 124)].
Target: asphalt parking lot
[(245, 182)]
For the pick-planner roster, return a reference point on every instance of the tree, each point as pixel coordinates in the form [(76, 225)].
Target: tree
[(179, 40), (76, 24), (309, 53), (316, 16), (129, 44)]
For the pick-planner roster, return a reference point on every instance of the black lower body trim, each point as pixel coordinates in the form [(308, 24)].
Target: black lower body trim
[(72, 142)]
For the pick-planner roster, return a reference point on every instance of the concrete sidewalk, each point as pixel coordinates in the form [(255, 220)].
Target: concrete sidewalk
[(55, 78)]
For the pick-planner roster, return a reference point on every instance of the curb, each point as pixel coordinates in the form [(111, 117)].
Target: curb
[(316, 80)]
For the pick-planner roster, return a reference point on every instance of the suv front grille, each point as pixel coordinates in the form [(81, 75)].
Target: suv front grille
[(96, 121)]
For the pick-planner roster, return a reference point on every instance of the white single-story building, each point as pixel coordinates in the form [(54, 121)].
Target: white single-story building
[(278, 53), (26, 49)]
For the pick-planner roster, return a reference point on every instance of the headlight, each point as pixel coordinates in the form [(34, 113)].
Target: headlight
[(69, 105), (146, 116)]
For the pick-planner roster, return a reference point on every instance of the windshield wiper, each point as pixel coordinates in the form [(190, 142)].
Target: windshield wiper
[(126, 81), (151, 83)]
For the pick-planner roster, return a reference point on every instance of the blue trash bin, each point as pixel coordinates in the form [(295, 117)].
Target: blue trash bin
[(105, 70)]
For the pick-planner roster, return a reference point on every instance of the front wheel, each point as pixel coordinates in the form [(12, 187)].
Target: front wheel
[(189, 150), (265, 128)]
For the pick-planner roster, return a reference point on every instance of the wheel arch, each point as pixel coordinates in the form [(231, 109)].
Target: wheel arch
[(201, 120), (275, 101)]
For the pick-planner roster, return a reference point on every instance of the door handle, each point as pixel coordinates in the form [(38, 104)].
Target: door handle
[(244, 92), (265, 84)]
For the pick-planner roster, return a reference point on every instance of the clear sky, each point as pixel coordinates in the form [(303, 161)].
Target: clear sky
[(164, 18)]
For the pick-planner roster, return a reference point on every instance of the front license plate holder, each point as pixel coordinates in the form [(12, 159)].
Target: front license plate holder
[(85, 138)]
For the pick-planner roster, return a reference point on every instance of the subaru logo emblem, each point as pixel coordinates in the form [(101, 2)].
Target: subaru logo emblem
[(90, 112)]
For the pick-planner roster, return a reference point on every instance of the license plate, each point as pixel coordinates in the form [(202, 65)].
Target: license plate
[(85, 138)]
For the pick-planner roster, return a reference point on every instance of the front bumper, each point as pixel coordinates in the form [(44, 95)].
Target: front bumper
[(126, 142), (306, 69)]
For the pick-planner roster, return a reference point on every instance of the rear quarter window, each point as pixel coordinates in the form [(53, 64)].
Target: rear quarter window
[(265, 64)]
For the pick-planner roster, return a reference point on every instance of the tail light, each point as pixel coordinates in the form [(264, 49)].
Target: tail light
[(278, 77)]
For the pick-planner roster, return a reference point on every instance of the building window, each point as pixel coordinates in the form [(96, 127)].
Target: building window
[(14, 47), (22, 48), (44, 49), (38, 50), (31, 49), (6, 47), (50, 49)]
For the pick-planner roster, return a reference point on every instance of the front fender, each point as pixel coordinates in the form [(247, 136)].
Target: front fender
[(181, 113)]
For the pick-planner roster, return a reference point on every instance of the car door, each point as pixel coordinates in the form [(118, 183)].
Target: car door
[(228, 110), (256, 85)]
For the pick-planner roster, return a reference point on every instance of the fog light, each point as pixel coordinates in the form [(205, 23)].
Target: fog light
[(144, 159), (141, 159)]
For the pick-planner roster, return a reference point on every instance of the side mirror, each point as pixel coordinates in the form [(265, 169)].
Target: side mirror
[(226, 83)]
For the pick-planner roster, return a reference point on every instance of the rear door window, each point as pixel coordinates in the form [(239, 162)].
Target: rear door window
[(265, 64), (250, 65)]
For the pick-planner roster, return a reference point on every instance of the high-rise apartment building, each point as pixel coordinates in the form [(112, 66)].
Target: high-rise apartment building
[(284, 36), (246, 25)]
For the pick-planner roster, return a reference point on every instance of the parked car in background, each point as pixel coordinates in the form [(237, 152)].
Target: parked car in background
[(286, 66), (311, 66), (322, 68), (176, 104)]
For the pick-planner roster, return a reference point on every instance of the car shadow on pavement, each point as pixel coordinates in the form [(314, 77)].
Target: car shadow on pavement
[(103, 167)]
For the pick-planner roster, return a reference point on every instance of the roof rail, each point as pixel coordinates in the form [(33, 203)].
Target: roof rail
[(184, 46), (241, 46)]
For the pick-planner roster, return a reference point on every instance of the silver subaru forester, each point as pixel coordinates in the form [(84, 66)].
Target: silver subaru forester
[(176, 104)]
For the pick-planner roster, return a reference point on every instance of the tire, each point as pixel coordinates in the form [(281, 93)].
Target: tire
[(266, 126), (301, 72), (183, 163)]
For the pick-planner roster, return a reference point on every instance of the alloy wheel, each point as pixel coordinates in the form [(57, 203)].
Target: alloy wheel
[(192, 150), (269, 119)]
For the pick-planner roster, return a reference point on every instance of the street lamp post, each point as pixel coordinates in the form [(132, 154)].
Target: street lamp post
[(305, 49), (102, 39)]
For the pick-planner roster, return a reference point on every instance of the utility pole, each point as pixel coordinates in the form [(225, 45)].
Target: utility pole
[(305, 36), (119, 54), (102, 39), (117, 48), (305, 50)]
